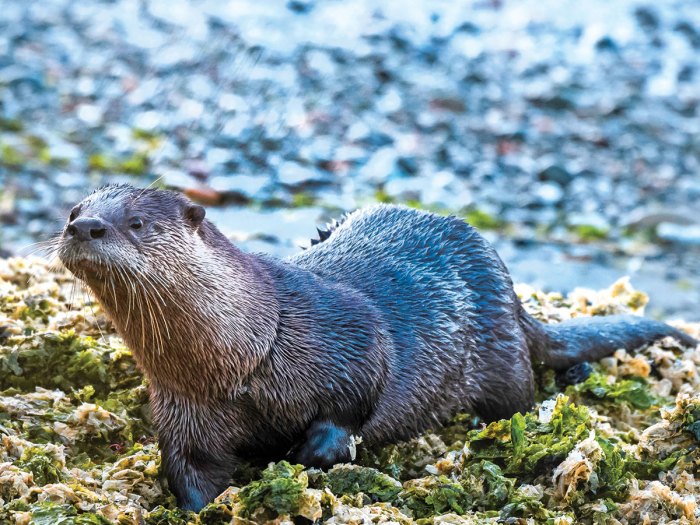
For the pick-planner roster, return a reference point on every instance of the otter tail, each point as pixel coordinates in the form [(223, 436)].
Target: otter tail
[(582, 339)]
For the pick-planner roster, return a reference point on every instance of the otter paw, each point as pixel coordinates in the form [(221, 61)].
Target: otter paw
[(325, 445)]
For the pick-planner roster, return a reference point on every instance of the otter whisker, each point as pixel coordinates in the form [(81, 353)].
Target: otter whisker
[(158, 331), (155, 290), (155, 325), (165, 288), (130, 291), (97, 322), (148, 188), (38, 247)]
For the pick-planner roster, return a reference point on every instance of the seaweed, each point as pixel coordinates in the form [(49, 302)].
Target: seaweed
[(44, 463), (353, 479), (526, 444), (77, 446), (73, 361), (633, 391), (280, 490), (434, 495), (62, 514)]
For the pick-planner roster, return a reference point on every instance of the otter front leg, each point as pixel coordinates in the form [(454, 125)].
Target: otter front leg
[(324, 445), (195, 478), (195, 444)]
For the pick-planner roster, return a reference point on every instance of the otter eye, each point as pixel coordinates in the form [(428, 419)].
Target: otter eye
[(73, 214), (135, 223)]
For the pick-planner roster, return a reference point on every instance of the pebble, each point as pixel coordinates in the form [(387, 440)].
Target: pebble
[(541, 116), (677, 233)]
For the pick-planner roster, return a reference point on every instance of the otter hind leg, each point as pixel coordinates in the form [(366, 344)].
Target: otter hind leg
[(325, 444), (506, 380)]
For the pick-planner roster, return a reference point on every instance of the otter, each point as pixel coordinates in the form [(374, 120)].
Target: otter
[(392, 322)]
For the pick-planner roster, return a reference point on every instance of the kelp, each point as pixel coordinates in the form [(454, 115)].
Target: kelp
[(77, 447)]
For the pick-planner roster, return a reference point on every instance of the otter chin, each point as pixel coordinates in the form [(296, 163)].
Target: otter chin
[(392, 322)]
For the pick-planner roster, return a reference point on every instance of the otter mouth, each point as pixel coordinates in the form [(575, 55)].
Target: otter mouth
[(87, 269), (84, 264)]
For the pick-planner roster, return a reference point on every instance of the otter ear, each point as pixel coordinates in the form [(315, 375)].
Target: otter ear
[(194, 213)]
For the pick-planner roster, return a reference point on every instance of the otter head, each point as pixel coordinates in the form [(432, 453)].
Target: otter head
[(119, 231), (183, 297)]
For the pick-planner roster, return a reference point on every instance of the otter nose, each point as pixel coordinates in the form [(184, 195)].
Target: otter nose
[(87, 228)]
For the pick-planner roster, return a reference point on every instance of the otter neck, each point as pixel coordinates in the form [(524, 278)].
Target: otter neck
[(199, 329)]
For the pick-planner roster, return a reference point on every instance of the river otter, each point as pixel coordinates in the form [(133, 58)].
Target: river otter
[(391, 324)]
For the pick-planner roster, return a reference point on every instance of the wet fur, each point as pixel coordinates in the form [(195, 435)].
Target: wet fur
[(397, 320)]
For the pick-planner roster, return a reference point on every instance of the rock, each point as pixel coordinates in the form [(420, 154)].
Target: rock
[(248, 186), (300, 6), (555, 173), (549, 193), (390, 101), (380, 165), (293, 174), (90, 114), (679, 233)]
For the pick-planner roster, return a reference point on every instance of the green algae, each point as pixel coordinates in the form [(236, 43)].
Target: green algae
[(280, 490), (43, 463), (162, 516), (589, 232), (71, 360), (525, 442), (435, 495), (135, 164), (487, 485), (407, 460), (633, 391), (354, 479), (78, 446), (62, 514), (482, 220)]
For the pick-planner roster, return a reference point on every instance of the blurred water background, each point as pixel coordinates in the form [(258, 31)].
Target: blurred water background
[(567, 131)]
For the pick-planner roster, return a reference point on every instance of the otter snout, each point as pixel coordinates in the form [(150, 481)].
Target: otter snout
[(86, 228)]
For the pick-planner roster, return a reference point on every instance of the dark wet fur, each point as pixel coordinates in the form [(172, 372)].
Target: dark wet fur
[(396, 321)]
